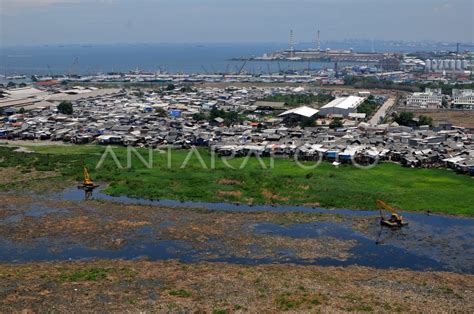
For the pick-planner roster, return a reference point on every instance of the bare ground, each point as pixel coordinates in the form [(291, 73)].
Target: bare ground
[(458, 118), (133, 286)]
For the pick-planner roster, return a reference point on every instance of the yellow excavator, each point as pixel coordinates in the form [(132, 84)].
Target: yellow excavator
[(87, 178), (87, 185), (394, 221)]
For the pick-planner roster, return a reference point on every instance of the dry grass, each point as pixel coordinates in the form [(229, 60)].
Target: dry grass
[(12, 175), (228, 182), (132, 224), (458, 118), (132, 286), (273, 197), (230, 193)]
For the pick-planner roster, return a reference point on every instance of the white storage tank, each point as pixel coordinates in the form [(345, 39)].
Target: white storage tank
[(458, 64), (465, 64), (452, 65), (428, 65), (440, 64), (446, 64), (434, 65)]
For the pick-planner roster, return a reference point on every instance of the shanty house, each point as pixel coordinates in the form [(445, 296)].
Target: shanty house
[(270, 105)]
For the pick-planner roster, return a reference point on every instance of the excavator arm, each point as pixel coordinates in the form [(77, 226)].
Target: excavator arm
[(87, 178), (387, 207), (87, 185), (395, 217)]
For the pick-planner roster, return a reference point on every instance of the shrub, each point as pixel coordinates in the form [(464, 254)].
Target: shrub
[(65, 107)]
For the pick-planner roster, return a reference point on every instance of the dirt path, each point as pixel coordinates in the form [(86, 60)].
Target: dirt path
[(20, 143), (382, 112)]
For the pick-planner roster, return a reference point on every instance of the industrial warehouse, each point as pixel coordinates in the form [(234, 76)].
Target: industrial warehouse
[(342, 106)]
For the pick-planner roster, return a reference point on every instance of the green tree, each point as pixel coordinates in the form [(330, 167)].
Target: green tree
[(187, 89), (369, 107), (170, 87), (425, 120), (336, 123), (445, 103), (404, 118), (231, 118), (161, 112), (199, 116), (65, 107), (307, 122), (216, 113), (299, 99)]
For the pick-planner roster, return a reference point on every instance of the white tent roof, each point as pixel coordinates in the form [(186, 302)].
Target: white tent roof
[(301, 111), (345, 102)]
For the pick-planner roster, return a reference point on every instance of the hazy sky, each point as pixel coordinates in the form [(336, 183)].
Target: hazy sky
[(34, 22)]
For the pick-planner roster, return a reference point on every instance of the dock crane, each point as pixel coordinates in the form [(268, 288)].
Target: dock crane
[(87, 185), (73, 66), (49, 70), (242, 67), (394, 221)]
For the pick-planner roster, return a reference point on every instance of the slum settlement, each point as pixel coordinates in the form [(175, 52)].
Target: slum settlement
[(277, 121)]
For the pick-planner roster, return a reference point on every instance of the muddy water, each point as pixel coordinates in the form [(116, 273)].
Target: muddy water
[(78, 195), (430, 242), (365, 253)]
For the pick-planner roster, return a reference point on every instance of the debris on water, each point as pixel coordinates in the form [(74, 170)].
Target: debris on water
[(103, 229)]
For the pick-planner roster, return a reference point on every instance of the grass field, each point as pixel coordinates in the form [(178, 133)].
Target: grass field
[(437, 190)]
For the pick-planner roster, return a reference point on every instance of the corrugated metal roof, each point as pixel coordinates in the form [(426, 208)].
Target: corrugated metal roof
[(301, 111), (84, 95), (345, 102)]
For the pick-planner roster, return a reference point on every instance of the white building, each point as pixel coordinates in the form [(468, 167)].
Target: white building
[(430, 99), (342, 106), (304, 111), (463, 98)]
